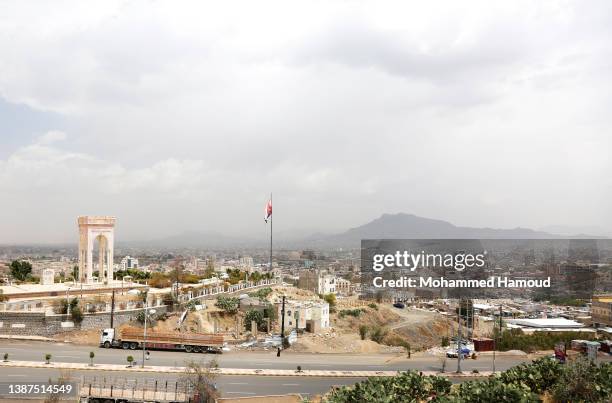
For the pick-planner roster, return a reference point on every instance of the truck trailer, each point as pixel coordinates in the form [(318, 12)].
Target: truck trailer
[(132, 339)]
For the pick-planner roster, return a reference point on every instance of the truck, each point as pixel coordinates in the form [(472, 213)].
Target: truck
[(132, 339), (103, 389)]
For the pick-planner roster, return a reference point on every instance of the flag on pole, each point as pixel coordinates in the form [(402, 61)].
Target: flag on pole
[(268, 211)]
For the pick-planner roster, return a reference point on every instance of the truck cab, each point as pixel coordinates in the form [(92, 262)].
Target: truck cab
[(107, 337)]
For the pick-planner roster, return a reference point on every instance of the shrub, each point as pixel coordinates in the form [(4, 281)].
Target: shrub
[(351, 312), (130, 359), (253, 315), (5, 357), (492, 390), (262, 293), (373, 306), (406, 387), (538, 375), (47, 358), (444, 342), (228, 304), (377, 334), (91, 357), (363, 331), (76, 314), (584, 381)]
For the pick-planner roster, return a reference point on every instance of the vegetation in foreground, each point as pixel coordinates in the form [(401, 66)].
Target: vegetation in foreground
[(545, 378)]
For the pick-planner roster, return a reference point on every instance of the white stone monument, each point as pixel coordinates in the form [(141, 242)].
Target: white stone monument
[(101, 229), (48, 277)]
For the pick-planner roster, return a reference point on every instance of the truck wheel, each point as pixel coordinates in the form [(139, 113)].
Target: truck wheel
[(125, 345), (189, 349), (133, 346), (107, 344), (197, 349)]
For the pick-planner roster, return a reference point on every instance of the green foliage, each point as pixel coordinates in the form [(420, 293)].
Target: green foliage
[(262, 293), (560, 300), (270, 312), (253, 315), (130, 359), (331, 300), (577, 381), (191, 305), (584, 381), (491, 390), (5, 357), (406, 387), (235, 276), (378, 334), (515, 339), (373, 306), (540, 375), (20, 269), (134, 273), (76, 314), (444, 342), (351, 312), (47, 358), (363, 332), (228, 304)]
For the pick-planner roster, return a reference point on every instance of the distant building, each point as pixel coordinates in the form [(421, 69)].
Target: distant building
[(47, 277), (311, 316), (601, 311), (344, 287), (317, 281), (128, 262)]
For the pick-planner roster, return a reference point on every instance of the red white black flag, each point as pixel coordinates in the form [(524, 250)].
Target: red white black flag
[(268, 211)]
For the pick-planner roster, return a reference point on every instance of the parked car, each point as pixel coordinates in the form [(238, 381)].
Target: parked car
[(399, 305)]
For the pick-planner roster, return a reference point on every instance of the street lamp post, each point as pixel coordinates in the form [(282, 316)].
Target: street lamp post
[(144, 342), (67, 301)]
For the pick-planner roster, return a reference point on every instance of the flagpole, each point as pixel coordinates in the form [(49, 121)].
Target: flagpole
[(271, 232)]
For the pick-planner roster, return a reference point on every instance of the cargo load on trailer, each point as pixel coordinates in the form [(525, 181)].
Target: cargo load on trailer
[(133, 339)]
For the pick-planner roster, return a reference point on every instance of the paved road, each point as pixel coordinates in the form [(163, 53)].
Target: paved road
[(66, 352), (229, 386)]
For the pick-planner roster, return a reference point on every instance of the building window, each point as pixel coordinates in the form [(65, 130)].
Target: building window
[(288, 313)]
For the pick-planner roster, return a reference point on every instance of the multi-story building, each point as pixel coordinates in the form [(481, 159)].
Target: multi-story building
[(308, 315), (601, 310), (128, 262), (344, 287), (317, 281)]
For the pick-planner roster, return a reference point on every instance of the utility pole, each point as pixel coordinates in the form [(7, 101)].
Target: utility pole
[(283, 324), (144, 340), (459, 338), (112, 309)]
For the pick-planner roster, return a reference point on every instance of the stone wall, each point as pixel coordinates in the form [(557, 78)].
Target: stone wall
[(41, 324)]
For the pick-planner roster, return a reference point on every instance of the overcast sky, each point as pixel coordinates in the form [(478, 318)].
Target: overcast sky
[(184, 117)]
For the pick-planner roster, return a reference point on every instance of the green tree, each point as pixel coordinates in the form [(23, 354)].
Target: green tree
[(253, 315), (91, 357), (47, 358), (130, 360), (20, 269), (228, 304), (331, 300), (363, 332)]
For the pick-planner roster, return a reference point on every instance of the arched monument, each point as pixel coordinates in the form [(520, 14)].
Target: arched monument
[(101, 229)]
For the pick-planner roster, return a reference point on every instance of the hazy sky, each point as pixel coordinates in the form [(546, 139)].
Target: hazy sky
[(184, 117)]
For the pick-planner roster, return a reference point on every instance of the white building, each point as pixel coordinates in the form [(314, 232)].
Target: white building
[(128, 262), (309, 315), (317, 281)]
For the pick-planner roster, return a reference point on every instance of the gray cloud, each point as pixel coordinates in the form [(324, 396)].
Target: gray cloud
[(482, 114)]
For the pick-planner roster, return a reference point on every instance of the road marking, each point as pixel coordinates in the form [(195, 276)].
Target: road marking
[(67, 356), (291, 384), (237, 383), (241, 393), (14, 375)]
